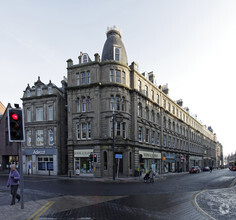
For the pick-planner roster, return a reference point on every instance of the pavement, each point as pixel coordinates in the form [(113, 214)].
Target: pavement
[(211, 204)]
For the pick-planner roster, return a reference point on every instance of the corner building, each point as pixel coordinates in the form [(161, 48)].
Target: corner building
[(151, 130)]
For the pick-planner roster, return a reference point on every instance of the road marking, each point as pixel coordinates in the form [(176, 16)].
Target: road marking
[(198, 208), (232, 184), (38, 213)]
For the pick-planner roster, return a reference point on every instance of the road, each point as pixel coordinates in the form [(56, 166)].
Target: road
[(170, 197)]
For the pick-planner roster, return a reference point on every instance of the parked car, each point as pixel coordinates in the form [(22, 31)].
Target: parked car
[(195, 169), (206, 168), (233, 168)]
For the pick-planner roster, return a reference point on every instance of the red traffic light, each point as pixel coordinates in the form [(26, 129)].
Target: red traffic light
[(95, 155), (14, 116)]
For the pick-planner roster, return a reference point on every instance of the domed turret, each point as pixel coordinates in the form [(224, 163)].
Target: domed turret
[(114, 48)]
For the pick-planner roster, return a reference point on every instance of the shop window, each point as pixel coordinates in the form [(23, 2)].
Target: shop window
[(105, 160), (45, 163)]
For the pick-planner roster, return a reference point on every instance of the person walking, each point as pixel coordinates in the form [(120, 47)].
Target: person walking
[(211, 169), (13, 182)]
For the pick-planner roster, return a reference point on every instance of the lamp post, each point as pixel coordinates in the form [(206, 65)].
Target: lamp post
[(113, 144)]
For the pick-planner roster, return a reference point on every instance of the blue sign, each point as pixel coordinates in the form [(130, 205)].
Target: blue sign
[(118, 156)]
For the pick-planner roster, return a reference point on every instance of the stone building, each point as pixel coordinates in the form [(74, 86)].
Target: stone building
[(45, 149), (151, 130)]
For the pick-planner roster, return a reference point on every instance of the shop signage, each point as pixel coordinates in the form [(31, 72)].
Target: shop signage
[(40, 151), (170, 156), (150, 155), (83, 153), (195, 158)]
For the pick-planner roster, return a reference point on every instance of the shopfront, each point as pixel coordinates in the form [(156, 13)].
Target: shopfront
[(195, 161), (169, 162), (81, 161), (150, 159), (40, 161)]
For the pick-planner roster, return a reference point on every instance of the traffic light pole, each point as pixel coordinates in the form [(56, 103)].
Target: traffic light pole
[(21, 176)]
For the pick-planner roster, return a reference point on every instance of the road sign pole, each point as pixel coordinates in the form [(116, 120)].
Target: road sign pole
[(21, 176)]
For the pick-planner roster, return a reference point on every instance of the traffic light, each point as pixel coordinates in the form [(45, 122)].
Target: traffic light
[(95, 158), (91, 157), (16, 125), (140, 157)]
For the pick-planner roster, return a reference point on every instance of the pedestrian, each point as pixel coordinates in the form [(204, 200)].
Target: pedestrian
[(13, 182), (210, 169)]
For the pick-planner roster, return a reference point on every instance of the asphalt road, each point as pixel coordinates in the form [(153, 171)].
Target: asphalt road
[(170, 197)]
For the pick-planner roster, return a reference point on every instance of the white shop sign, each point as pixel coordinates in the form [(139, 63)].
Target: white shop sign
[(147, 154), (83, 153)]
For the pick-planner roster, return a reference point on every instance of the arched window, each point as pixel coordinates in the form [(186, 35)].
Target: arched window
[(83, 104), (85, 58), (140, 110), (105, 160), (147, 113)]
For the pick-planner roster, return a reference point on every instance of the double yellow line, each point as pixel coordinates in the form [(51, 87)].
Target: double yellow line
[(38, 213)]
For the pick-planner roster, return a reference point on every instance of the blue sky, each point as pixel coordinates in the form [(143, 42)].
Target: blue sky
[(188, 44)]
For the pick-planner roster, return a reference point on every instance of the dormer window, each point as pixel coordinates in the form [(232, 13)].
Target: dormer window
[(50, 90), (85, 58), (117, 53), (39, 91), (28, 93)]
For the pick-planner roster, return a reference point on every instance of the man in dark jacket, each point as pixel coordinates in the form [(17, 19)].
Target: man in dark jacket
[(13, 181)]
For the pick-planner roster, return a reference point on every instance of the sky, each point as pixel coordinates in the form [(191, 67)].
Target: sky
[(188, 44)]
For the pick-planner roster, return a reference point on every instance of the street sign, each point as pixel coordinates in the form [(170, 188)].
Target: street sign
[(118, 156)]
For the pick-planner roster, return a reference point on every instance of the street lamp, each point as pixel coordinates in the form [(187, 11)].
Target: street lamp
[(118, 119)]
